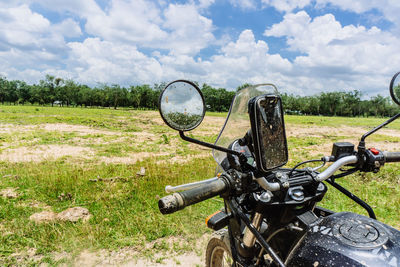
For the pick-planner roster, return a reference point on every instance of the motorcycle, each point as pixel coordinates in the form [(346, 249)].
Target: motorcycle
[(270, 215)]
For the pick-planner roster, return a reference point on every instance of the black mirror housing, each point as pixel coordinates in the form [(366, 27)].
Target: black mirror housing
[(181, 105), (395, 88), (268, 130)]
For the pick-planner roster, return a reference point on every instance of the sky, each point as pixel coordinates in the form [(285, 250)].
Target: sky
[(302, 46)]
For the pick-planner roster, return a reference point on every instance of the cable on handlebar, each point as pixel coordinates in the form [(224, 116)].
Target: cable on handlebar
[(304, 162)]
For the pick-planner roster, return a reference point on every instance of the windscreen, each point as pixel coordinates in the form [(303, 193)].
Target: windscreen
[(238, 122)]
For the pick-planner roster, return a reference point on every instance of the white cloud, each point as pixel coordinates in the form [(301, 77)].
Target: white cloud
[(29, 41), (20, 26), (303, 34), (178, 28), (84, 9), (286, 5), (189, 31), (103, 61), (338, 57), (357, 6), (389, 8), (245, 60), (329, 55), (127, 21), (244, 4), (205, 3), (68, 28)]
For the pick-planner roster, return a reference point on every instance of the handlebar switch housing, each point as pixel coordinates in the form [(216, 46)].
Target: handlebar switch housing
[(374, 160), (342, 149)]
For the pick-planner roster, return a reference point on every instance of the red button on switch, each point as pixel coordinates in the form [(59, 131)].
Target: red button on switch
[(374, 151)]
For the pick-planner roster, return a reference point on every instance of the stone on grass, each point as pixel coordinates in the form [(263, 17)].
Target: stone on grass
[(44, 216), (142, 171), (9, 193), (74, 214)]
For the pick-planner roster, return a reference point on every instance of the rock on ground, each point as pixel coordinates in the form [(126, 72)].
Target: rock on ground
[(71, 215), (74, 214), (9, 193), (44, 216)]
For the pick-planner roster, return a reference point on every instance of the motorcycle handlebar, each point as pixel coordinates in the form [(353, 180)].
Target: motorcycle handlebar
[(391, 156), (213, 187), (177, 201), (336, 166)]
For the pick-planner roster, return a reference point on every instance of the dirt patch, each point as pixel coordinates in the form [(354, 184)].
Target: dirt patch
[(349, 134), (84, 130), (190, 259), (43, 217), (185, 159), (153, 117), (9, 193), (313, 131), (132, 158), (211, 125), (389, 132), (34, 204), (74, 214), (164, 258), (30, 254), (44, 152), (326, 149), (293, 130), (71, 215), (9, 128), (140, 137)]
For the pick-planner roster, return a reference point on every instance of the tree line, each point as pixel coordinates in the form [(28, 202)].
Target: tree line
[(65, 92), (348, 104)]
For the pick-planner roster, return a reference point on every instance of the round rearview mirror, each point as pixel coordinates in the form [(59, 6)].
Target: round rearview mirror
[(395, 88), (181, 105)]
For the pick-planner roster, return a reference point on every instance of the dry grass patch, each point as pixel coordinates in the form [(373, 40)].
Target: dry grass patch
[(9, 128), (322, 131), (132, 158), (80, 129), (44, 152)]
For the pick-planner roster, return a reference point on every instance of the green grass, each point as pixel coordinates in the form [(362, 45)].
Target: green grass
[(125, 212), (100, 118), (328, 121), (338, 121)]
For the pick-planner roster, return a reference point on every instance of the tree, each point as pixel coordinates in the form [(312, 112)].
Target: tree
[(71, 91), (329, 103), (3, 88), (23, 92), (11, 92), (217, 99)]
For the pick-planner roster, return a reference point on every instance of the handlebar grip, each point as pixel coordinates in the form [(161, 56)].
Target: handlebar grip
[(391, 156), (177, 201)]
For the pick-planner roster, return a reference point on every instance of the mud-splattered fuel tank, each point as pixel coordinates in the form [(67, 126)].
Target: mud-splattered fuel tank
[(347, 239)]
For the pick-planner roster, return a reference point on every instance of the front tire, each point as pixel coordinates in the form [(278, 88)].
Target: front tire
[(218, 253)]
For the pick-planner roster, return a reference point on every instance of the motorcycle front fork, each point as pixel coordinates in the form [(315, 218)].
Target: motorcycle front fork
[(249, 239)]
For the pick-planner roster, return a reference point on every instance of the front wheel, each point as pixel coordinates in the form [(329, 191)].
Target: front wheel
[(218, 253)]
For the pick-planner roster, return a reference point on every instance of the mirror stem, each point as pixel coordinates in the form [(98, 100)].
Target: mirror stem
[(361, 145), (380, 126), (223, 149)]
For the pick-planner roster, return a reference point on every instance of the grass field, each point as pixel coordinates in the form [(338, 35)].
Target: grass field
[(57, 158)]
